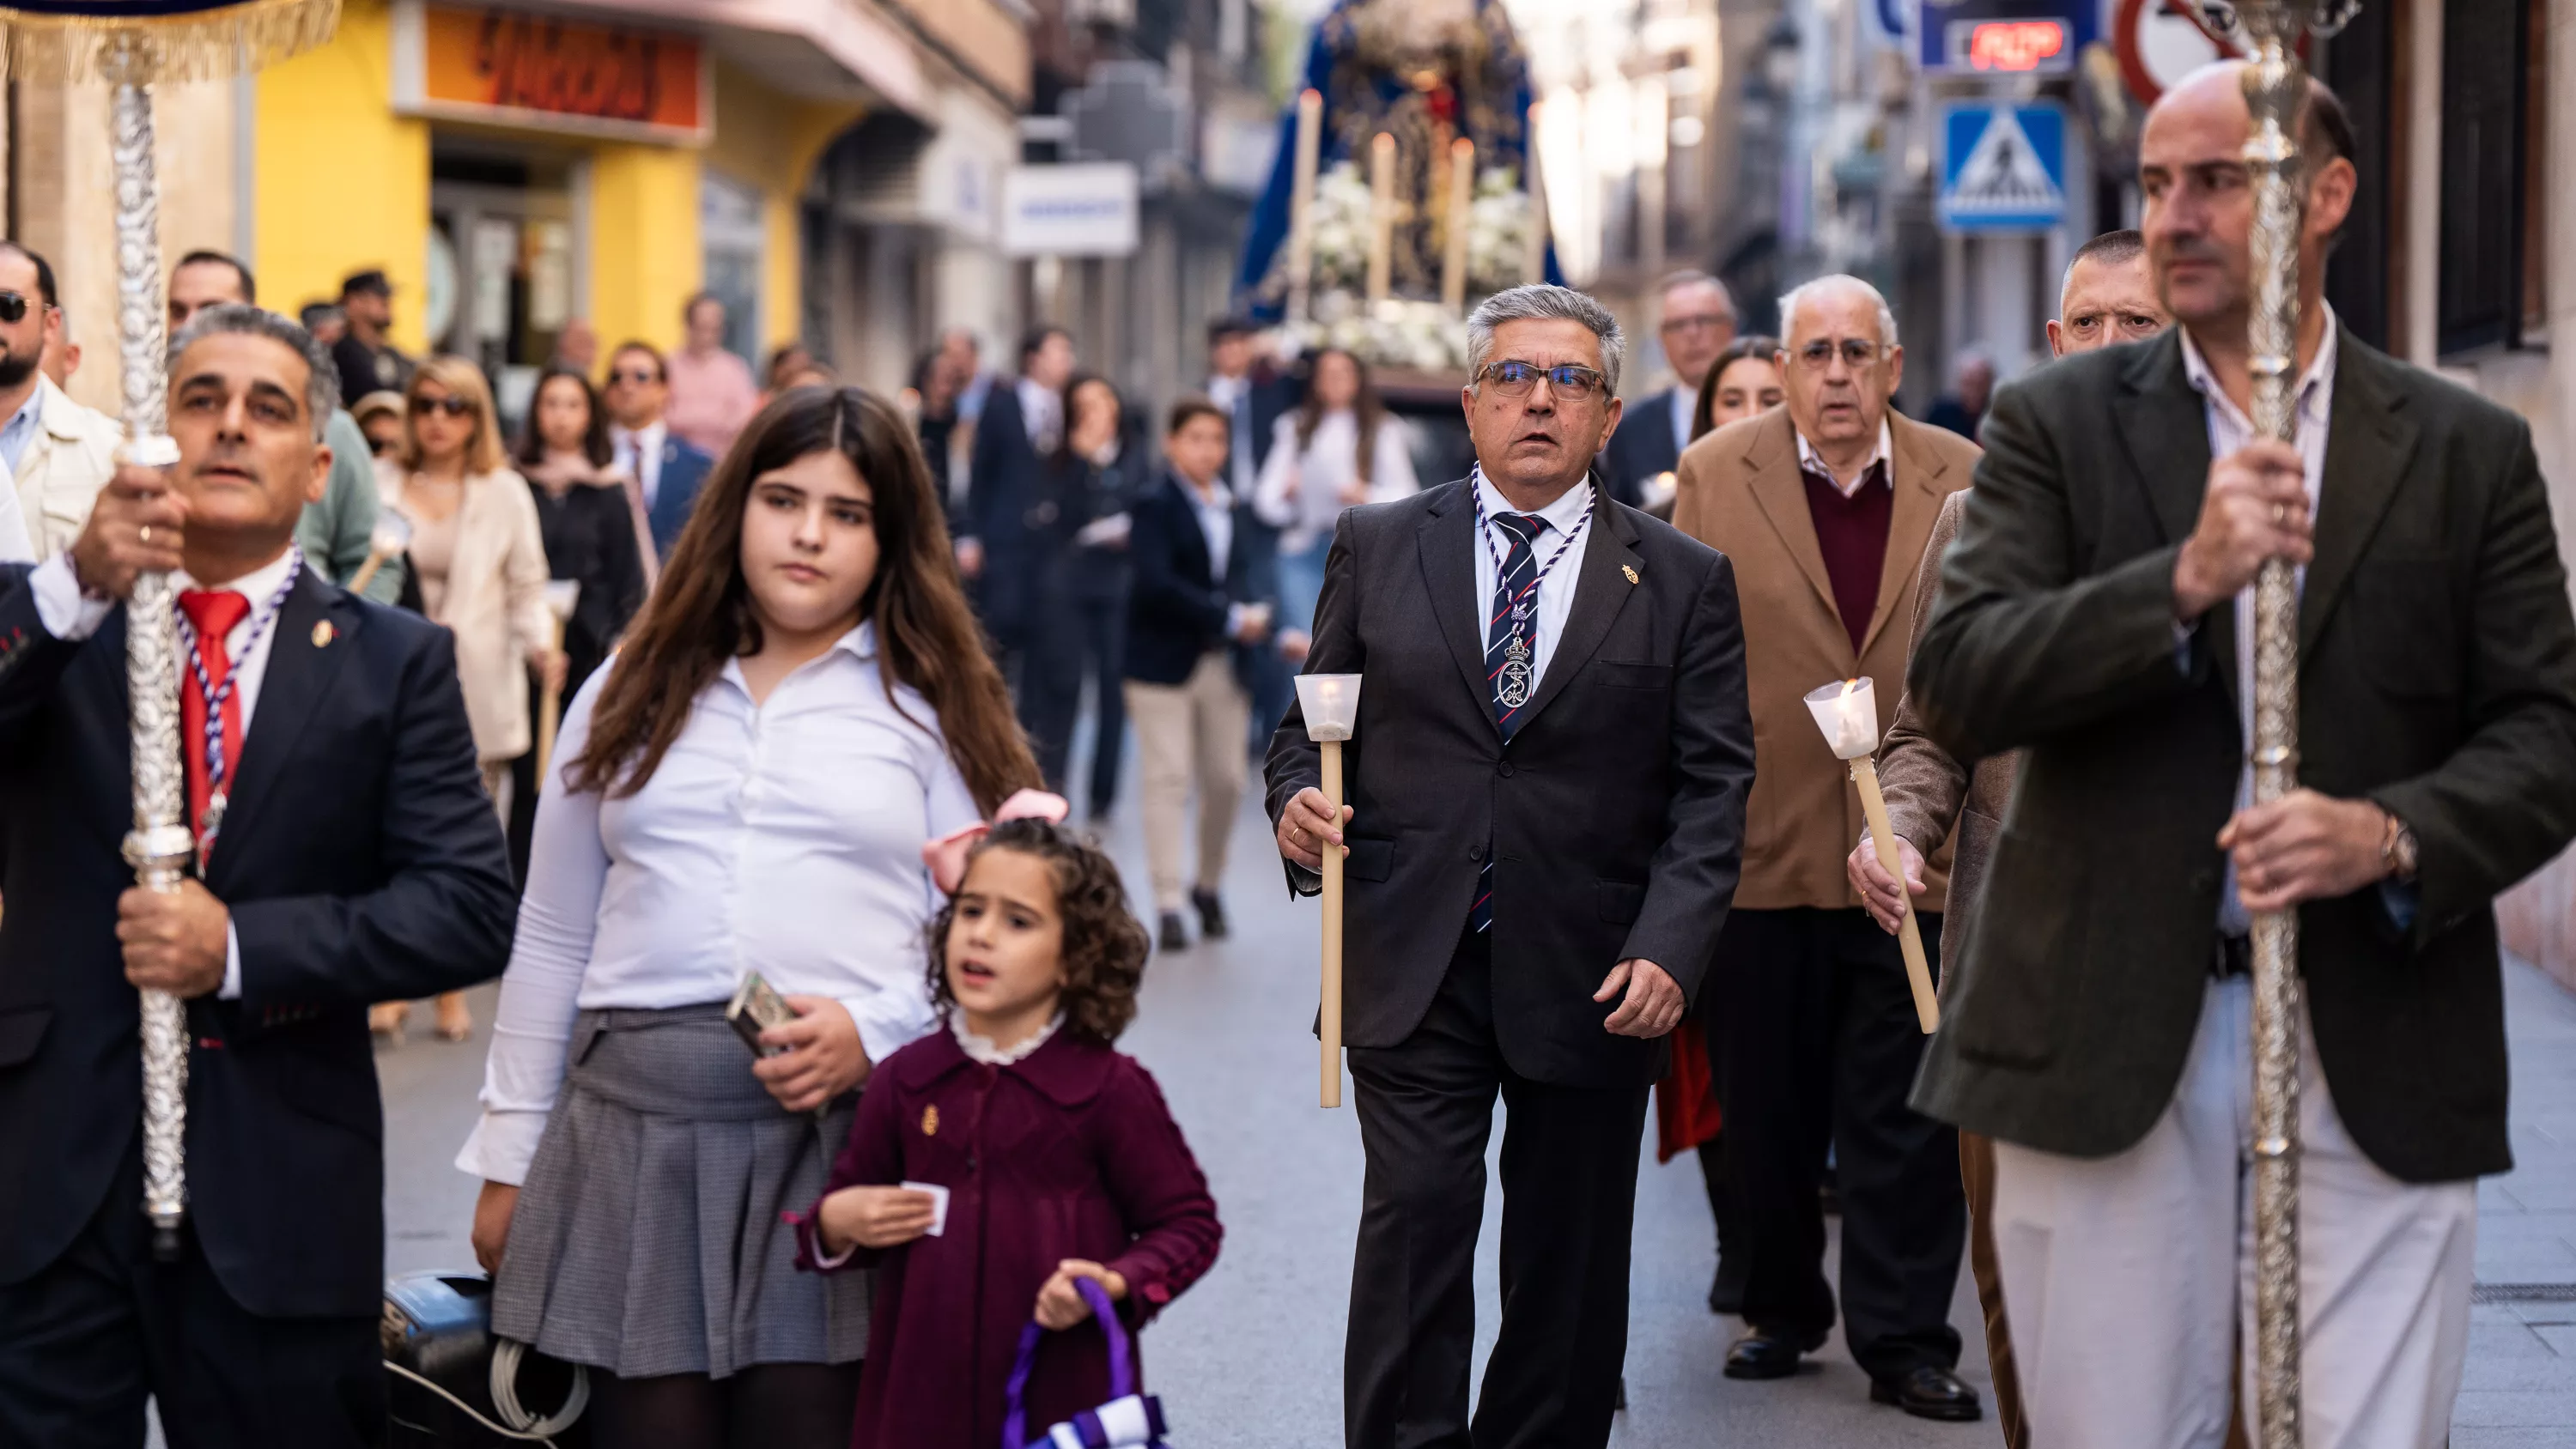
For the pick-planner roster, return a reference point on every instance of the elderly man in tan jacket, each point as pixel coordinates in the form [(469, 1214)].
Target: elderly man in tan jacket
[(1825, 505), (1934, 801)]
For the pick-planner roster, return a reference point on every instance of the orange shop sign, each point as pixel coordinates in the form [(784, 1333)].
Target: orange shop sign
[(506, 67)]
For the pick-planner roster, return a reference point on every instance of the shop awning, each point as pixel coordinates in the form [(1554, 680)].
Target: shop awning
[(818, 49)]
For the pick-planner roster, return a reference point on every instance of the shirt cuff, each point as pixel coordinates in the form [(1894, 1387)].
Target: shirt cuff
[(502, 1147), (2182, 647), (232, 987), (888, 1021), (840, 1259), (2400, 899), (61, 607), (1234, 621)]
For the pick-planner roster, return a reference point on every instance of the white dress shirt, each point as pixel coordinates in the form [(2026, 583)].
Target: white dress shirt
[(1040, 413), (2229, 430), (1556, 586), (1215, 510), (1301, 488), (1808, 458), (1234, 395), (784, 838), (639, 452), (1685, 402), (72, 618)]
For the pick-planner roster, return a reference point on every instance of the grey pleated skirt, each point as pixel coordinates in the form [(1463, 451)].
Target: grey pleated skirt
[(647, 1239)]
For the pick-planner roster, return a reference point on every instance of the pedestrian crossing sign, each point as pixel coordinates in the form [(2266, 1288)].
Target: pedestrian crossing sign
[(2003, 167)]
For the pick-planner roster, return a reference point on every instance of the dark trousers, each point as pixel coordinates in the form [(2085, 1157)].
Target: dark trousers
[(1820, 1045), (85, 1341), (1077, 636), (1426, 1109)]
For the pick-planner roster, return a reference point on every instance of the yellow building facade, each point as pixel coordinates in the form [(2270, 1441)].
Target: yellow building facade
[(511, 173)]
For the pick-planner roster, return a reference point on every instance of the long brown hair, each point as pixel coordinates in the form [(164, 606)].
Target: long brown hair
[(701, 614), (1704, 412), (1369, 408)]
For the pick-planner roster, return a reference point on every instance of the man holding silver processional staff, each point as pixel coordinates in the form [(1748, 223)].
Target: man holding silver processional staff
[(2098, 611)]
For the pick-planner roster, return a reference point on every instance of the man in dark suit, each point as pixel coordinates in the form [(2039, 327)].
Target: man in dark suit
[(358, 861), (2099, 1026), (667, 470), (1012, 525), (365, 358), (1198, 617), (1546, 814), (1697, 323)]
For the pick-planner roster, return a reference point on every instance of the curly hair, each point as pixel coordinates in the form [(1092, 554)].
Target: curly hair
[(1104, 944)]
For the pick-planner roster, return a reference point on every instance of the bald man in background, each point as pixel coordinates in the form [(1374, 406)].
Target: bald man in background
[(2108, 298)]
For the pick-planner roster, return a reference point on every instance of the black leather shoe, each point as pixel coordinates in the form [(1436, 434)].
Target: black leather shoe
[(1211, 915), (1765, 1354), (1175, 937), (1926, 1393)]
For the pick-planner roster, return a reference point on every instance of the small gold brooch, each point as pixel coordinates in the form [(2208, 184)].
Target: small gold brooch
[(323, 634), (1630, 572), (930, 1121)]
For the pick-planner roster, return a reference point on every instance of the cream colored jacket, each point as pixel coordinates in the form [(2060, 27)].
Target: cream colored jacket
[(495, 604), (67, 462)]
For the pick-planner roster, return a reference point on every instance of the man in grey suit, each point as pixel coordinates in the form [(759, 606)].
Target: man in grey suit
[(1546, 817), (2096, 614)]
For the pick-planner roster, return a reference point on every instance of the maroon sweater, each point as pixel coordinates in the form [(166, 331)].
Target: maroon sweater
[(1853, 534)]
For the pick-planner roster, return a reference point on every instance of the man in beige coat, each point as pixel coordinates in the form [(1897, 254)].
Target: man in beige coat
[(1825, 505), (2108, 298), (59, 454)]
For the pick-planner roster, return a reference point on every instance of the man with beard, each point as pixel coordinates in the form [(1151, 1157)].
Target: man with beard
[(58, 452)]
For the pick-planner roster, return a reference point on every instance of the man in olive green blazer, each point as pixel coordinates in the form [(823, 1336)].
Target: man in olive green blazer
[(2098, 1023)]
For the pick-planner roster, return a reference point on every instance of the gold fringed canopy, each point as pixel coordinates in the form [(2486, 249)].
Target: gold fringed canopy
[(144, 42)]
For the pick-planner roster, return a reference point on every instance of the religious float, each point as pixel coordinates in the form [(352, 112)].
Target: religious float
[(1406, 190)]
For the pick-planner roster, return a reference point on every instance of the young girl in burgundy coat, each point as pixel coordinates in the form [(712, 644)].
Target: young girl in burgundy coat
[(1060, 1159)]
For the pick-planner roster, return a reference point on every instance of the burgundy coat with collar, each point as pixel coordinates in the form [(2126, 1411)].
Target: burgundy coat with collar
[(1070, 1153)]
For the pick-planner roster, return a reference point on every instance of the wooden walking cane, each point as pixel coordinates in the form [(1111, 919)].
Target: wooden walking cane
[(1848, 714), (1331, 705)]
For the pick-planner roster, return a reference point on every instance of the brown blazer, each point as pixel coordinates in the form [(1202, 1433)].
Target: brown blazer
[(1738, 491), (1927, 791)]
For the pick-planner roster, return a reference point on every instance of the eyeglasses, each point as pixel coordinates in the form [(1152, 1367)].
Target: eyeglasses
[(454, 407), (635, 375), (1516, 379), (13, 307), (1699, 324), (1856, 354)]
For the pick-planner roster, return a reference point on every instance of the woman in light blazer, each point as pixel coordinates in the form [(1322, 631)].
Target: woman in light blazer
[(480, 560)]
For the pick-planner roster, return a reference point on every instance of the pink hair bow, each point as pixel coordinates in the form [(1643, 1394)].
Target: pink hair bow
[(946, 856)]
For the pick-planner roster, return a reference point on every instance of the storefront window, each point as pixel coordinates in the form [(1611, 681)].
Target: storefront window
[(730, 229), (506, 227)]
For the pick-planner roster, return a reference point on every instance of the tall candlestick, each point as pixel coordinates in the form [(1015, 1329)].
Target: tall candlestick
[(1381, 262), (1534, 238), (1462, 199), (1301, 205)]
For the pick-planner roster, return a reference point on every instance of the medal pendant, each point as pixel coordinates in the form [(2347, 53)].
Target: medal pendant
[(208, 828), (1513, 688)]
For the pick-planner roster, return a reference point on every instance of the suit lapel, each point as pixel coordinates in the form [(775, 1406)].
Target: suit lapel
[(1447, 540), (1771, 472), (2164, 433), (302, 665), (2369, 441), (1600, 592), (1917, 482), (1193, 536)]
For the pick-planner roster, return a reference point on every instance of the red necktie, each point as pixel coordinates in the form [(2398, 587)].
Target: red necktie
[(212, 613)]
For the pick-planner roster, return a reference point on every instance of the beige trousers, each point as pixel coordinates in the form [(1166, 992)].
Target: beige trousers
[(1194, 729)]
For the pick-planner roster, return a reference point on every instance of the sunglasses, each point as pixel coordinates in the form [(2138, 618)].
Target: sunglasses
[(454, 407), (13, 307), (383, 447), (637, 376)]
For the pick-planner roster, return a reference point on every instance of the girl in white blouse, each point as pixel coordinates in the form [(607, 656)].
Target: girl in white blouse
[(1341, 447), (803, 703)]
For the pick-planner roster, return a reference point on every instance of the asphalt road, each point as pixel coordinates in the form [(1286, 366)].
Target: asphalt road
[(1251, 1357)]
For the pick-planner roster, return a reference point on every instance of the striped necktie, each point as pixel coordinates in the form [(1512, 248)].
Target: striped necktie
[(1511, 660)]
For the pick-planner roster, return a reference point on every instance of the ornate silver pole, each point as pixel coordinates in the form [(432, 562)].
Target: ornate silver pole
[(2276, 92), (161, 846)]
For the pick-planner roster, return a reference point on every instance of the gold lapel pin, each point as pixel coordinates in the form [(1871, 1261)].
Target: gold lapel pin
[(1629, 571), (930, 1121), (323, 633)]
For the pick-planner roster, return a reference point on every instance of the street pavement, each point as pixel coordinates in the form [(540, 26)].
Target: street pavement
[(1251, 1357)]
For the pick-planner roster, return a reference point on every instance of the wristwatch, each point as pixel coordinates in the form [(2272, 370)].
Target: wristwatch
[(2397, 852)]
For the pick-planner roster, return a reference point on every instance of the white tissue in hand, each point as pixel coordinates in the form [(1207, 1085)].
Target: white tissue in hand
[(1847, 711)]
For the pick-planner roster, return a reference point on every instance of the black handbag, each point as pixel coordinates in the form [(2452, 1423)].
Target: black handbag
[(450, 1384)]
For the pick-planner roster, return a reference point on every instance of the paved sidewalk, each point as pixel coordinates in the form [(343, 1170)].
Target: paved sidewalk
[(2520, 1390)]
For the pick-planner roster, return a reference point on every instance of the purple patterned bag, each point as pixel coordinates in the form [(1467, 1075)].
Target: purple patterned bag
[(1129, 1420)]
